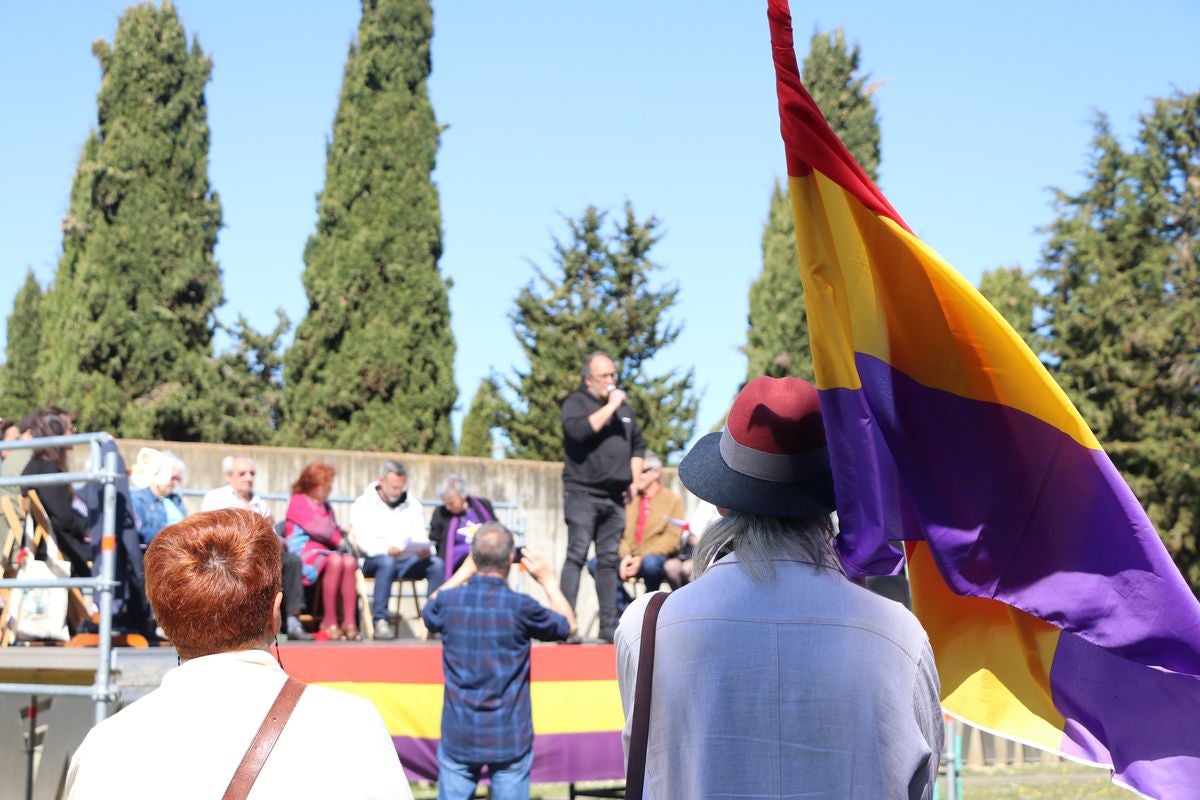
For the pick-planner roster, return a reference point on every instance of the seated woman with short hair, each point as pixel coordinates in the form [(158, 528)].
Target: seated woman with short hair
[(313, 533), (214, 582)]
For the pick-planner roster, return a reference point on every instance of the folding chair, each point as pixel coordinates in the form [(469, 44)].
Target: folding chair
[(8, 564), (78, 610)]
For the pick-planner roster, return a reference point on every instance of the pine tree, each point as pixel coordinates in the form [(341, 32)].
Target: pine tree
[(132, 302), (1011, 292), (23, 351), (372, 364), (485, 413), (598, 298), (777, 339), (1124, 313)]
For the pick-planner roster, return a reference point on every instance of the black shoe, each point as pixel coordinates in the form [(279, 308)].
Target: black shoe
[(607, 634), (432, 636), (574, 638)]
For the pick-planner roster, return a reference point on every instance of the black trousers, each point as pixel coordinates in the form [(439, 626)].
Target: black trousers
[(600, 520), (293, 585)]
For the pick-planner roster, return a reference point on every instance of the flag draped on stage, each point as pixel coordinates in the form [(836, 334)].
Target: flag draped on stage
[(1055, 613)]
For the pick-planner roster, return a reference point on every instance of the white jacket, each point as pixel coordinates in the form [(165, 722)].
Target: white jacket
[(378, 527), (188, 736)]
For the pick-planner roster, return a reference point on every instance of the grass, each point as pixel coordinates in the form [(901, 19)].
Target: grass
[(1065, 781)]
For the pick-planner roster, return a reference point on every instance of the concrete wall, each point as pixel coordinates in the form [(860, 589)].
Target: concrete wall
[(535, 486)]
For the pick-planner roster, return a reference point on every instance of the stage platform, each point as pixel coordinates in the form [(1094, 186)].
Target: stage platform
[(577, 717)]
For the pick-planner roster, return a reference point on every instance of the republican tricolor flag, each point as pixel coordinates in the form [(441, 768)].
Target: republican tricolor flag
[(1055, 613)]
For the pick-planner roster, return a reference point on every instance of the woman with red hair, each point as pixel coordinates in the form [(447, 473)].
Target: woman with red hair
[(214, 582), (313, 534)]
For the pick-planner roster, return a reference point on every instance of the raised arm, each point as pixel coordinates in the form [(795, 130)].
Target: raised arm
[(537, 566)]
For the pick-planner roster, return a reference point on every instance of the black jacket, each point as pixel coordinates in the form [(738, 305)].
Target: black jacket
[(597, 462), (70, 527)]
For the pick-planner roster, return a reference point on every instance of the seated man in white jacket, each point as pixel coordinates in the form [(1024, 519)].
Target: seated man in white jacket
[(390, 529)]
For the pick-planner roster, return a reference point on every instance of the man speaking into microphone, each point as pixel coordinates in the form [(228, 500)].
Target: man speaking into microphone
[(603, 449)]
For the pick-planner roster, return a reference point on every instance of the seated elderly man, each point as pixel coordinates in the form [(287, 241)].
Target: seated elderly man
[(390, 530), (652, 533), (238, 492)]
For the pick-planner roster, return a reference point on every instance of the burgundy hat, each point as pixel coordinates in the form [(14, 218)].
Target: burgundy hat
[(771, 458)]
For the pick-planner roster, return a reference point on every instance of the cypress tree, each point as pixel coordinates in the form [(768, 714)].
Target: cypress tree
[(132, 302), (777, 339), (598, 298), (485, 413), (1124, 312), (372, 364), (23, 351)]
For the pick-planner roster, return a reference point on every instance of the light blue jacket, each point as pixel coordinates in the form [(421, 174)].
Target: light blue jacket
[(150, 513), (805, 685)]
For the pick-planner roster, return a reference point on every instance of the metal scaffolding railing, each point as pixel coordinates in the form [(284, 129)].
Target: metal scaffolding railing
[(102, 469)]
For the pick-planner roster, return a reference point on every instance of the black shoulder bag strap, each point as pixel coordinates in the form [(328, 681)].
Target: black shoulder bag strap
[(639, 733)]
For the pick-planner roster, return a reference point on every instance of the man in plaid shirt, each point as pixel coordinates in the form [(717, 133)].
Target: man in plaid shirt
[(486, 628)]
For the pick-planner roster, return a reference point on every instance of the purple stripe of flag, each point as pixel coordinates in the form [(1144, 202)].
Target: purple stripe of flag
[(1141, 720), (557, 757), (1012, 508)]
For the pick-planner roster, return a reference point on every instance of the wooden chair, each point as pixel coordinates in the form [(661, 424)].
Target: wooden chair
[(14, 532), (78, 610)]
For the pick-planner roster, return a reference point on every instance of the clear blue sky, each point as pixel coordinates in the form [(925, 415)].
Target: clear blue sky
[(554, 106)]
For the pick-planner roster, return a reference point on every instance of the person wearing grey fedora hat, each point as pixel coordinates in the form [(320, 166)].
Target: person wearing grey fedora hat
[(774, 674)]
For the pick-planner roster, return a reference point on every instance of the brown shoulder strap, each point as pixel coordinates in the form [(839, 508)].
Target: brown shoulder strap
[(264, 740), (639, 733)]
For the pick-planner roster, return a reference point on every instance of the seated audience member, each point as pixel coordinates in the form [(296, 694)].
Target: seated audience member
[(70, 527), (651, 534), (214, 581), (238, 492), (14, 465), (131, 609), (313, 533), (155, 477), (390, 530), (8, 432), (679, 570), (456, 520), (487, 629)]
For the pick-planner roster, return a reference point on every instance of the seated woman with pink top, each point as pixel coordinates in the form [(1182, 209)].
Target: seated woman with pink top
[(313, 533)]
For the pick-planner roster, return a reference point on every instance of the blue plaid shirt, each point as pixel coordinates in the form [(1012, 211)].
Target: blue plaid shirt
[(486, 628)]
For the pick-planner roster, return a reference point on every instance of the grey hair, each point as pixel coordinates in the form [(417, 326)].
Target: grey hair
[(392, 467), (452, 483), (757, 539), (175, 463), (587, 361), (492, 548), (227, 462), (651, 461)]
